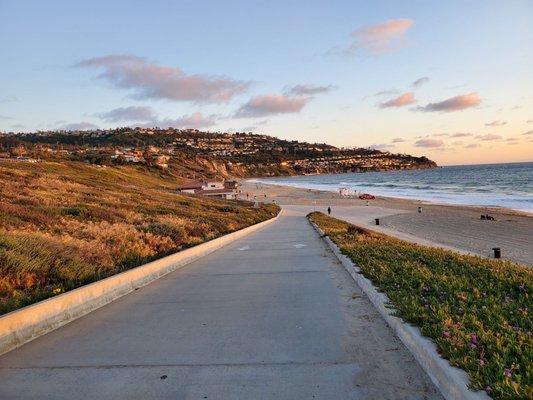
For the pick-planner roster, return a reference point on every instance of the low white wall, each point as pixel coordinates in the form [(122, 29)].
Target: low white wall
[(21, 326)]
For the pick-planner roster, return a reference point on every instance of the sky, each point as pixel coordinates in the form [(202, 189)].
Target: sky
[(450, 80)]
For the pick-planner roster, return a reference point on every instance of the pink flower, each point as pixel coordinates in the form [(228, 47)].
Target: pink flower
[(446, 334), (473, 338), (507, 372)]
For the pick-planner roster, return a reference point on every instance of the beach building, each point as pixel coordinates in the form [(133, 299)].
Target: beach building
[(212, 188)]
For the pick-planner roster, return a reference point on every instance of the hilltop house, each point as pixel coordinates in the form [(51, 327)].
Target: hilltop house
[(212, 188)]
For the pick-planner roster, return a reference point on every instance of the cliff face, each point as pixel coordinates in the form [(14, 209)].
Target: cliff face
[(192, 154), (202, 167)]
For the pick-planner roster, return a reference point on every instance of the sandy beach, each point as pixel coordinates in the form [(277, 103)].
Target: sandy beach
[(458, 228)]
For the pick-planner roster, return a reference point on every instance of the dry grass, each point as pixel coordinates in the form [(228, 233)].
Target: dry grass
[(66, 224)]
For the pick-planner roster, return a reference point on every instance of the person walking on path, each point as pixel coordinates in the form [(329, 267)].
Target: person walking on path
[(329, 210)]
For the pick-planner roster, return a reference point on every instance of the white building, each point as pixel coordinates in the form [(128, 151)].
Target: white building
[(212, 188)]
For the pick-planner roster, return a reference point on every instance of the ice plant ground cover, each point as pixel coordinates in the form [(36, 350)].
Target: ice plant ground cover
[(65, 224), (475, 309)]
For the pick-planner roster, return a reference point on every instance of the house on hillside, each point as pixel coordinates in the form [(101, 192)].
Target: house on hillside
[(212, 188)]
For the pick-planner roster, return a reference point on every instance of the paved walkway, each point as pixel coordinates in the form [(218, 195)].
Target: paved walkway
[(271, 316)]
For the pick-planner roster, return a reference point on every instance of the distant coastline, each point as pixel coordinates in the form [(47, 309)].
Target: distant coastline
[(507, 186)]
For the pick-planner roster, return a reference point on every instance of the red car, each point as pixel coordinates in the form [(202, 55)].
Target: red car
[(366, 196)]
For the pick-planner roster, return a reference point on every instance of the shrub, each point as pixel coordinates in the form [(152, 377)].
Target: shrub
[(475, 309), (63, 225)]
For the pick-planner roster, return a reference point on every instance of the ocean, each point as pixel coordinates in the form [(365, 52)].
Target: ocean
[(501, 185)]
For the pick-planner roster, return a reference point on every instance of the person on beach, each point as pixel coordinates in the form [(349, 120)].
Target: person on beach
[(329, 210)]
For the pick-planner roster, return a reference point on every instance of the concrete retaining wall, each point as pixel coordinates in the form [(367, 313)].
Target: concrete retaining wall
[(21, 326), (452, 382)]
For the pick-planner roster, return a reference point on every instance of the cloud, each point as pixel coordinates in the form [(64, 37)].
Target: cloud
[(381, 146), (309, 90), (79, 126), (146, 117), (271, 104), (442, 134), (194, 120), (387, 92), (133, 113), (530, 121), (528, 133), (471, 146), (459, 134), (496, 123), (429, 143), (255, 126), (420, 81), (398, 140), (8, 99), (380, 38), (152, 81), (400, 101), (456, 103), (4, 117), (512, 140), (18, 126), (488, 137)]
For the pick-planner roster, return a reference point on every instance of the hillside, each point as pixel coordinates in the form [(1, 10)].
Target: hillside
[(64, 224), (191, 153)]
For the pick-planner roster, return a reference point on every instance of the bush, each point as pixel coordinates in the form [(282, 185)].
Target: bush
[(475, 309), (63, 225)]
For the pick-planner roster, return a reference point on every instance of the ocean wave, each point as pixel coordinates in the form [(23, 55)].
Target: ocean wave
[(503, 185)]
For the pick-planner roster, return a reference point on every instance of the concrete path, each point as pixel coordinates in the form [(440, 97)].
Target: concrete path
[(271, 316)]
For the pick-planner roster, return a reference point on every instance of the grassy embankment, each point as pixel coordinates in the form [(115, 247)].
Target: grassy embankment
[(475, 309), (66, 224)]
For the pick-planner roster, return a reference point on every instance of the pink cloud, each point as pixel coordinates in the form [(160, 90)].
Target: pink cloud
[(471, 146), (496, 123), (381, 146), (147, 117), (456, 135), (528, 133), (271, 104), (488, 137), (431, 143), (133, 113), (398, 140), (309, 90), (381, 38), (400, 101), (152, 81), (194, 120), (456, 103)]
